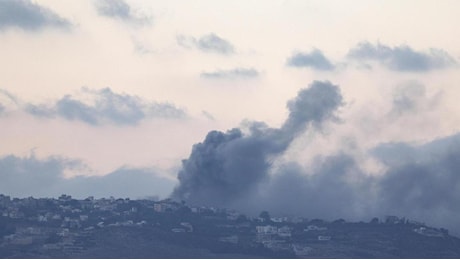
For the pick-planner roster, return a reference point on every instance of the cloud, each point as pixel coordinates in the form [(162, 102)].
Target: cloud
[(208, 115), (206, 43), (119, 9), (241, 73), (314, 59), (402, 58), (124, 182), (10, 97), (29, 176), (7, 101), (25, 15), (228, 166), (107, 107)]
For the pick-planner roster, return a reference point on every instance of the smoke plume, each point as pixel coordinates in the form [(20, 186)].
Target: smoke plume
[(228, 166), (235, 169)]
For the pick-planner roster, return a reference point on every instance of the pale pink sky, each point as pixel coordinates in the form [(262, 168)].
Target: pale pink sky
[(140, 56)]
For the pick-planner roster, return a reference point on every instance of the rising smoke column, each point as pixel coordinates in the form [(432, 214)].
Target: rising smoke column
[(227, 166)]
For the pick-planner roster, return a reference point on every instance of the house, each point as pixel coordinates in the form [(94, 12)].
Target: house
[(277, 245), (21, 240), (279, 220), (51, 247), (188, 226), (314, 228), (265, 234), (56, 217), (414, 222), (284, 231), (430, 232), (392, 220), (233, 215), (324, 238), (296, 220), (64, 197), (30, 231), (230, 239), (4, 200), (15, 213), (64, 232), (301, 250), (159, 207), (266, 229), (42, 218), (263, 238)]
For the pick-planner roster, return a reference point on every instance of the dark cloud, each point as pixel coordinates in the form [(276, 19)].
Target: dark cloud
[(314, 59), (206, 43), (119, 9), (228, 166), (403, 57), (24, 14), (29, 176), (244, 73), (108, 107)]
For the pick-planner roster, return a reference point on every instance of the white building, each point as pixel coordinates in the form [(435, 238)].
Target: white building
[(266, 229)]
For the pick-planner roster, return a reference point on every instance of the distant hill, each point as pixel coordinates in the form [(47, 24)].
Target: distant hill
[(124, 228)]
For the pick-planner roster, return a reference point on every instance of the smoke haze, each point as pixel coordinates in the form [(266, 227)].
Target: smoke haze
[(236, 170)]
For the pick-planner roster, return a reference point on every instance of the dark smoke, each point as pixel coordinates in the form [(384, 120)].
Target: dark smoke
[(419, 182), (335, 188), (424, 183), (228, 166)]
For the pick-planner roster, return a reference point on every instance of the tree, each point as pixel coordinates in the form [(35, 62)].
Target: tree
[(241, 218), (339, 221), (374, 221), (264, 215)]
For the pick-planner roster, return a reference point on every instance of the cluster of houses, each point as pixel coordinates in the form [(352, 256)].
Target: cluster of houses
[(279, 238), (63, 223), (59, 224)]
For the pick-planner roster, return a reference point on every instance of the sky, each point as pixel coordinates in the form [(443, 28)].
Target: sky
[(350, 105)]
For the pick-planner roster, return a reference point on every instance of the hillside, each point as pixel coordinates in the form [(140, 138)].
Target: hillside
[(123, 228)]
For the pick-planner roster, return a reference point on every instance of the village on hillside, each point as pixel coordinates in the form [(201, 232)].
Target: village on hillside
[(68, 227)]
